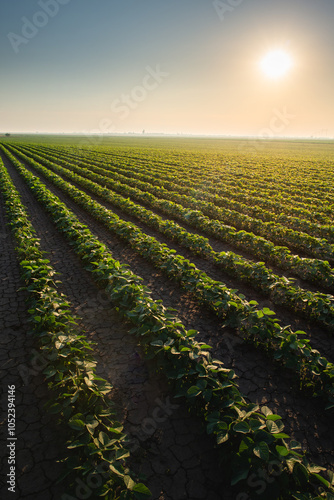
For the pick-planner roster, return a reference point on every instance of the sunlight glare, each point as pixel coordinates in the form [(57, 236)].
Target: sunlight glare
[(276, 63)]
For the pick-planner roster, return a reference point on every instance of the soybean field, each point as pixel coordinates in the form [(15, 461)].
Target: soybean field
[(167, 316)]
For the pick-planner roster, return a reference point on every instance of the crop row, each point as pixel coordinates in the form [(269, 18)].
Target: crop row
[(317, 271), (258, 326), (315, 306), (78, 395), (217, 184), (273, 231), (298, 174), (221, 197), (249, 439)]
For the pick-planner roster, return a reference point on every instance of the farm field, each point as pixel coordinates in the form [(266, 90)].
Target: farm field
[(185, 283)]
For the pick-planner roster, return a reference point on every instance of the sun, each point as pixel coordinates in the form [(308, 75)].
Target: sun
[(276, 63)]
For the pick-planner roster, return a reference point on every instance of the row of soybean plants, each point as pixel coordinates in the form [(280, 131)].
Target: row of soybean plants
[(251, 439), (211, 178), (214, 206), (274, 231), (267, 171), (258, 326), (292, 179), (231, 185), (221, 196), (314, 270), (315, 306), (294, 176), (78, 394), (217, 192)]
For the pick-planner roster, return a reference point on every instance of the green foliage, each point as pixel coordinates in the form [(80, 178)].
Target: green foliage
[(160, 197), (77, 394), (316, 306), (250, 438), (259, 327)]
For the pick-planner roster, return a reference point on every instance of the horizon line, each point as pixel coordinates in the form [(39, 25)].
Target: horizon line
[(166, 134)]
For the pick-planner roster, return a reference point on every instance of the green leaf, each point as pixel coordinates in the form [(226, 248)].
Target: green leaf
[(281, 435), (323, 362), (331, 477), (228, 403), (244, 445), (76, 424), (92, 425), (223, 385), (193, 391), (290, 462), (294, 445), (268, 312), (192, 333), (116, 430), (282, 450), (274, 417), (141, 491), (105, 388), (255, 424), (88, 382), (222, 437), (114, 469), (266, 411), (264, 435), (262, 451), (274, 427), (232, 303), (120, 454), (169, 342), (321, 479), (129, 482), (49, 372), (104, 438), (242, 427), (300, 473), (79, 442), (157, 343)]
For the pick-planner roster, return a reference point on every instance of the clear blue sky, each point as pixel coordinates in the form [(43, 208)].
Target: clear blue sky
[(176, 66)]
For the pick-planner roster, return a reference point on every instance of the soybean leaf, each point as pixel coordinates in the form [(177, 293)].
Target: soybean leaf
[(76, 424), (193, 391), (261, 450), (242, 427), (282, 450), (141, 491), (129, 482)]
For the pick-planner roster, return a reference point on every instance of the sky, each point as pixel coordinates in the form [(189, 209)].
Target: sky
[(172, 67)]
